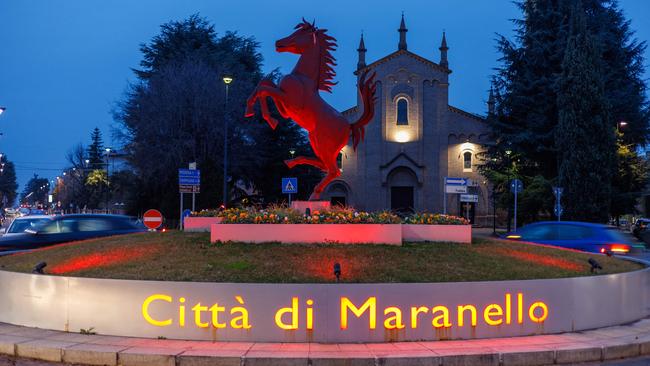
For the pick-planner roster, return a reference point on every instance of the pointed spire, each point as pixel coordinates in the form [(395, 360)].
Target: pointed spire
[(491, 102), (443, 51), (361, 63), (402, 34)]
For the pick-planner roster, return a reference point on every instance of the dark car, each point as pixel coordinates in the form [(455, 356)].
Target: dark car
[(583, 236), (67, 228)]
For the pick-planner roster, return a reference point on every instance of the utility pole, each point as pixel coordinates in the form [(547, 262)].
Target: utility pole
[(227, 80)]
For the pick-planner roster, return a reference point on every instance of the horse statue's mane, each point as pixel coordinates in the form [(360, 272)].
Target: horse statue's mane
[(326, 44)]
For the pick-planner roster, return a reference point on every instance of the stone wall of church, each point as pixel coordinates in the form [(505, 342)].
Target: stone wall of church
[(419, 154)]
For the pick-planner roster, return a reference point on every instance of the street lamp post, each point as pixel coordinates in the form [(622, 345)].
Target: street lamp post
[(227, 80), (108, 153)]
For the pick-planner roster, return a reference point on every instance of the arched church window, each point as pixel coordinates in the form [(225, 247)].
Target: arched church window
[(467, 161), (339, 161), (402, 111)]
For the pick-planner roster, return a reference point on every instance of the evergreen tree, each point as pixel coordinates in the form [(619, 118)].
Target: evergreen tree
[(528, 84), (35, 192), (176, 114), (8, 183), (584, 137), (96, 150)]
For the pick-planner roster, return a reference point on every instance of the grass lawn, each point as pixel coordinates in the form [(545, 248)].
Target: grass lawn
[(191, 257)]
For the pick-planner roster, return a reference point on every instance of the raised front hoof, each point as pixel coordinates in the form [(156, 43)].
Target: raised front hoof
[(290, 163), (273, 123), (249, 112)]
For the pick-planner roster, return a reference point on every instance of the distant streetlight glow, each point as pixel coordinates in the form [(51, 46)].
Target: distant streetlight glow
[(227, 79), (2, 109)]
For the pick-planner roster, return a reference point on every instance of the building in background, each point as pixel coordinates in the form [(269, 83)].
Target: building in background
[(415, 140)]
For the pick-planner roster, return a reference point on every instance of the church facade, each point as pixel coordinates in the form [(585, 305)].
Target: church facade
[(415, 140)]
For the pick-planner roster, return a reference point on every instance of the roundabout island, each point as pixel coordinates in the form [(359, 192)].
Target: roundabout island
[(179, 285)]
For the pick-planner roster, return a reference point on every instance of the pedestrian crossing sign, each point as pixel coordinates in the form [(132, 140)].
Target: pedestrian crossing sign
[(289, 185)]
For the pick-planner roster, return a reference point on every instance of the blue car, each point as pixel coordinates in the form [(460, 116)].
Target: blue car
[(588, 237), (67, 228)]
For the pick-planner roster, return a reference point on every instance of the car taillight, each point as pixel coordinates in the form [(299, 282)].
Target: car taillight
[(620, 248)]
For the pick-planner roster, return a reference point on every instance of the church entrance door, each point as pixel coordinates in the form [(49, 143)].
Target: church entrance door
[(401, 199)]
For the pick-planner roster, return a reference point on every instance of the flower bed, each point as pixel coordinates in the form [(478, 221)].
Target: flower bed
[(335, 215), (339, 225)]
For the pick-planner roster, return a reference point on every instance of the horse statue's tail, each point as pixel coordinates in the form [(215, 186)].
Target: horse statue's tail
[(367, 90)]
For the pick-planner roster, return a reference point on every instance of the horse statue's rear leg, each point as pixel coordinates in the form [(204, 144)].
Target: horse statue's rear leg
[(333, 172)]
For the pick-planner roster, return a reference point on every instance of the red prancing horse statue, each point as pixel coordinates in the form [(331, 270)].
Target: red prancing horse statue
[(297, 98)]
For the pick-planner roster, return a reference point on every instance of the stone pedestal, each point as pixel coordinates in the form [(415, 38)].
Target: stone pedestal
[(312, 205)]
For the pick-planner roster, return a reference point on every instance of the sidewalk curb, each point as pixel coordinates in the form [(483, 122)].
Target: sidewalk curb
[(627, 341)]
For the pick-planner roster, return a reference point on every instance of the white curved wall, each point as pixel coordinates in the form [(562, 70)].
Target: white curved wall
[(116, 307)]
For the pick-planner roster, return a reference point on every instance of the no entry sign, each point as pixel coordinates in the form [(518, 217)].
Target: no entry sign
[(153, 219)]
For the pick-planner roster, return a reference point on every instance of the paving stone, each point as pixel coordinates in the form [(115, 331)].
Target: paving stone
[(644, 345), (8, 328), (577, 354), (71, 337), (532, 358), (42, 349), (620, 351), (479, 359), (91, 354), (147, 356), (265, 358), (210, 357), (8, 343), (347, 358), (428, 359)]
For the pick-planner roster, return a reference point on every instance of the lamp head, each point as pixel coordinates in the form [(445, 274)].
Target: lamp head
[(227, 79)]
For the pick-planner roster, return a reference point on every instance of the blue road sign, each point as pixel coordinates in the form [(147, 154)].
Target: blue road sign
[(190, 177), (289, 185), (516, 186), (456, 181)]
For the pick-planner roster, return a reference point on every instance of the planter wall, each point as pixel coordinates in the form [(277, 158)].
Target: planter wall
[(309, 233), (440, 233), (201, 224), (151, 308)]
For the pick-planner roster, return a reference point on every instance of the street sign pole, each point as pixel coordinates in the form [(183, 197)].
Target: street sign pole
[(516, 186), (444, 195), (557, 192), (515, 220), (180, 222)]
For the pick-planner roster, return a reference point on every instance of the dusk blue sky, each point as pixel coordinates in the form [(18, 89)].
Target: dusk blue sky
[(64, 64)]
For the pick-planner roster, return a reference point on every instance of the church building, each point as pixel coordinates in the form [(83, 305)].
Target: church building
[(415, 141)]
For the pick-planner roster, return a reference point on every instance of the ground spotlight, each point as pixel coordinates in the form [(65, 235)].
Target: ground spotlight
[(38, 269), (337, 271), (595, 266)]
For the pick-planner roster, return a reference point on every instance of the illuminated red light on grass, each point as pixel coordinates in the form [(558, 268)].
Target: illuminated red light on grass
[(602, 250), (102, 259), (540, 259)]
